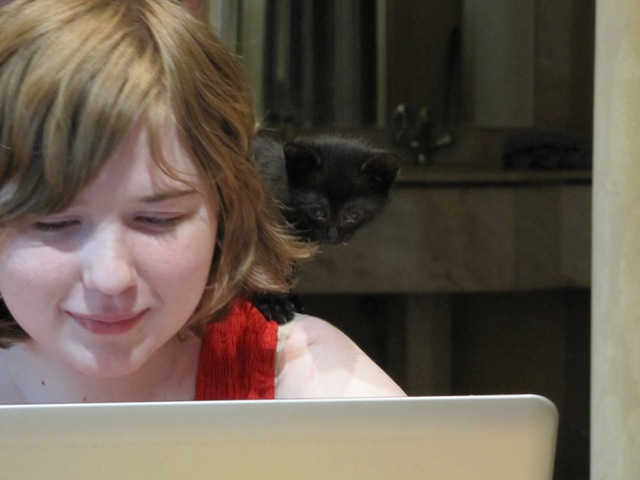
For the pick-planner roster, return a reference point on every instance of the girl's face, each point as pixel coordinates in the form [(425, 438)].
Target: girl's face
[(107, 283)]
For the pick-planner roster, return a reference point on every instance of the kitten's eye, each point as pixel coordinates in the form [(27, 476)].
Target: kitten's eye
[(317, 211), (351, 216)]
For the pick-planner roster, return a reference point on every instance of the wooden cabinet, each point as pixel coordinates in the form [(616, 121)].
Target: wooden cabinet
[(499, 231)]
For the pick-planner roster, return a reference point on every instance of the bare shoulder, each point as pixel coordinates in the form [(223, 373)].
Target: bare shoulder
[(319, 361), (8, 391)]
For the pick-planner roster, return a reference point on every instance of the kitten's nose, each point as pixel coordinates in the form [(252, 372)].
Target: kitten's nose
[(333, 235)]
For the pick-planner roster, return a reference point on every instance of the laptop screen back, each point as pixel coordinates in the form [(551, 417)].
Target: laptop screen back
[(492, 438)]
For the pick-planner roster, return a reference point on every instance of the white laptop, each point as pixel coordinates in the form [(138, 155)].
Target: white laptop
[(477, 437)]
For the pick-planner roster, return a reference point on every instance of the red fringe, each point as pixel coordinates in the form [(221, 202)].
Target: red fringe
[(237, 358)]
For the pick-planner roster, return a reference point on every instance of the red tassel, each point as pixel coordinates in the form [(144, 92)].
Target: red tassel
[(238, 356)]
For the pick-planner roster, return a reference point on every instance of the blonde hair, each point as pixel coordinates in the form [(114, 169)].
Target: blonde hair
[(76, 75)]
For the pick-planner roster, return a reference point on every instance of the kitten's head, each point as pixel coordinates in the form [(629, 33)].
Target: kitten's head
[(336, 185)]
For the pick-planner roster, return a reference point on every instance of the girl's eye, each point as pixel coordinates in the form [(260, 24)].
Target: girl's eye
[(158, 222), (54, 226)]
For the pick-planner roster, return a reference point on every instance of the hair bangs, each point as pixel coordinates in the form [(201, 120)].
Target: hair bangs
[(82, 96)]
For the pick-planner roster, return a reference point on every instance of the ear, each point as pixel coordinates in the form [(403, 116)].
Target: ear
[(300, 160), (382, 167)]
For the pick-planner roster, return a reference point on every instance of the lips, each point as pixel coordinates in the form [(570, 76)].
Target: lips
[(108, 324)]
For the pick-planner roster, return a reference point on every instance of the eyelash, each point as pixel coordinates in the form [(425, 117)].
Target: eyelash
[(54, 226), (159, 222), (154, 222)]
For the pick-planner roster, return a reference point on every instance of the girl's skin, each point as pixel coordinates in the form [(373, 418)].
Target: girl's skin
[(105, 288)]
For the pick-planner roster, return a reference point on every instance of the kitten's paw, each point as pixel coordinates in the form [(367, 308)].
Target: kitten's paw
[(278, 307)]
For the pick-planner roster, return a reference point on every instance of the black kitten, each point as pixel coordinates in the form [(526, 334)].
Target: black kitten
[(329, 187)]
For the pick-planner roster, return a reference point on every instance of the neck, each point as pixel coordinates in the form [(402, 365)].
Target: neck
[(33, 377)]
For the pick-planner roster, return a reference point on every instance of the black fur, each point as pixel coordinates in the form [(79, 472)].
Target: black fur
[(329, 187), (336, 186)]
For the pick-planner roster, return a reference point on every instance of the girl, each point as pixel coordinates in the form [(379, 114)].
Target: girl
[(133, 226)]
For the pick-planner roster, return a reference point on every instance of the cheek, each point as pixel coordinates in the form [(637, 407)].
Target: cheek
[(25, 270), (180, 268), (188, 267), (183, 281), (33, 281)]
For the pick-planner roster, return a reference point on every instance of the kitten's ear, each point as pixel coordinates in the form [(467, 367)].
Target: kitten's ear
[(382, 167), (300, 159)]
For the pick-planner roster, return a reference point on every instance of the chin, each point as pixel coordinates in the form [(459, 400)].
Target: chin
[(101, 371), (342, 239), (336, 241), (104, 365)]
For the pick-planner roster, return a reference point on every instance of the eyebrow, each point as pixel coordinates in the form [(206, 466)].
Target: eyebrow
[(167, 195)]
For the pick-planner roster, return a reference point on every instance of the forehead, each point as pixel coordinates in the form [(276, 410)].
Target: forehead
[(144, 165), (160, 153)]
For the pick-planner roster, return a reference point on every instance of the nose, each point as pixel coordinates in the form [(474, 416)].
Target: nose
[(108, 264), (333, 235)]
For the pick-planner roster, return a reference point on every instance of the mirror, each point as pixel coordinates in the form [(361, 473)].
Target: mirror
[(349, 64), (321, 63)]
